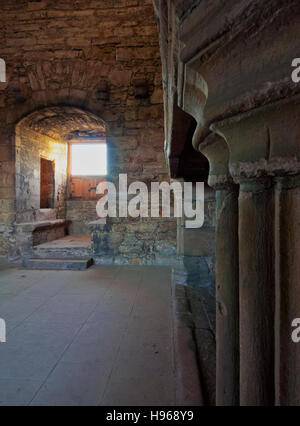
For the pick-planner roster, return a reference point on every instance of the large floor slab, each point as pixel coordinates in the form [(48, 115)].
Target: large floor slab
[(96, 337)]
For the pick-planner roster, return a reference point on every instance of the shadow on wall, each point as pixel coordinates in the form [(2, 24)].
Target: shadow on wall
[(198, 287)]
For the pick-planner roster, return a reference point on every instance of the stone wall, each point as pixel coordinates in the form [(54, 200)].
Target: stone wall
[(98, 55), (80, 214), (30, 147), (194, 279), (136, 241)]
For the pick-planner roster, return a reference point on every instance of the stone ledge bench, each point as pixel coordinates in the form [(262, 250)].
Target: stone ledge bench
[(30, 235)]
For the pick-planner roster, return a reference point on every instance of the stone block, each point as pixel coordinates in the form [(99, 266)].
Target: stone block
[(157, 96), (5, 153), (196, 242), (7, 192), (58, 264)]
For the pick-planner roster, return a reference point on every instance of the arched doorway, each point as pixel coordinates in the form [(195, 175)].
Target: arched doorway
[(60, 159)]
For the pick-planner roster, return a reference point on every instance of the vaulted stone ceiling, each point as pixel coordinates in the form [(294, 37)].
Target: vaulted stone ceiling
[(63, 122)]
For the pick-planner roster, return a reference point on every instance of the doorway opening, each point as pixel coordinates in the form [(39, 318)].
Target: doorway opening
[(47, 183)]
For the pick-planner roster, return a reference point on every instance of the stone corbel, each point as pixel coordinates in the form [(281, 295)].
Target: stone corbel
[(182, 125), (215, 149), (195, 95)]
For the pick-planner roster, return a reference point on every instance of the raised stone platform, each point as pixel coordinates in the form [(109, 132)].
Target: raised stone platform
[(58, 264), (71, 246), (33, 234), (72, 252)]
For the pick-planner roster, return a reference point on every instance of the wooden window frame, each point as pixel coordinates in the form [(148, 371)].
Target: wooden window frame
[(83, 142), (83, 178)]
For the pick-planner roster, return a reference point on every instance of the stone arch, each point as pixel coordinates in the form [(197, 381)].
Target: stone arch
[(62, 121), (45, 133)]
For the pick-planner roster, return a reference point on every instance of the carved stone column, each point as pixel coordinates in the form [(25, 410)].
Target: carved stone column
[(289, 282), (264, 147), (257, 291), (249, 144), (227, 271)]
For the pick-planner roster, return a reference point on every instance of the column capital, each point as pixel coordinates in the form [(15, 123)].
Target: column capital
[(264, 141), (288, 182), (216, 151), (255, 185)]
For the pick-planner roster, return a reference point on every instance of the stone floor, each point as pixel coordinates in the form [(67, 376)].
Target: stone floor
[(98, 337)]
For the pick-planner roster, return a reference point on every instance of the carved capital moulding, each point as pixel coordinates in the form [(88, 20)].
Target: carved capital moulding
[(223, 59), (236, 56), (216, 151), (265, 141)]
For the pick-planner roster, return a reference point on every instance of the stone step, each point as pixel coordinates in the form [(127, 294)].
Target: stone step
[(61, 253), (58, 264)]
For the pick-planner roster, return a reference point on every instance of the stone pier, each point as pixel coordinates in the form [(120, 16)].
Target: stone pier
[(227, 271)]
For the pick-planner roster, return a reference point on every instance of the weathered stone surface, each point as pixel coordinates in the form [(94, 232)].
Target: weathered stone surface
[(142, 241), (189, 387), (80, 214), (75, 67), (227, 65), (58, 264), (30, 147)]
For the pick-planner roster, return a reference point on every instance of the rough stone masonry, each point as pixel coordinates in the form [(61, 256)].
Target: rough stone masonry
[(102, 57)]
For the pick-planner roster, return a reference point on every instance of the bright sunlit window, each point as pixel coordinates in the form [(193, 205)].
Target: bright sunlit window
[(89, 159)]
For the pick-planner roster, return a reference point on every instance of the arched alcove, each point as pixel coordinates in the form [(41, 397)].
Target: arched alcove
[(42, 154)]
